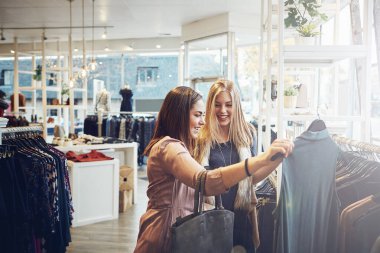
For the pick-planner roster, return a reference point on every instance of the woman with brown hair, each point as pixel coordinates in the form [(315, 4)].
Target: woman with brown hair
[(172, 170), (227, 139)]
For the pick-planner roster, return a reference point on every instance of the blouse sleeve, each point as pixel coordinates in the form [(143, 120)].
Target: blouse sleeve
[(181, 165)]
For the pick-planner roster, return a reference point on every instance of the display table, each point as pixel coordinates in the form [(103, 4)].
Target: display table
[(125, 152), (95, 191)]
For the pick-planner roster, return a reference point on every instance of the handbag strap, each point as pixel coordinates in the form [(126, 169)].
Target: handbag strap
[(198, 191), (199, 194)]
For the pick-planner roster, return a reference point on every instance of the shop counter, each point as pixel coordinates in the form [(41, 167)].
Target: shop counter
[(95, 191), (125, 152)]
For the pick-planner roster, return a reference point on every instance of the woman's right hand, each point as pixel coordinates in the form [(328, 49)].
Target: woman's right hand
[(282, 146)]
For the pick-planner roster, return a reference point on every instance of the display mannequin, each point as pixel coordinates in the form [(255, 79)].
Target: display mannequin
[(126, 103), (103, 100)]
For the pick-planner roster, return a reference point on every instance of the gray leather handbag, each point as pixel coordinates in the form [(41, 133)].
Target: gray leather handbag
[(203, 231)]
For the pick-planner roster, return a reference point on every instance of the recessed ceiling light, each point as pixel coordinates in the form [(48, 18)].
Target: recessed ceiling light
[(158, 46), (106, 49), (128, 48), (104, 35), (75, 49), (12, 51)]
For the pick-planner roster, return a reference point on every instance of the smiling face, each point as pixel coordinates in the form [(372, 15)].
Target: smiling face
[(196, 118), (223, 109)]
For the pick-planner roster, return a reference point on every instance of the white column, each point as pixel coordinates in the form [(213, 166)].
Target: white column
[(43, 83), (15, 80), (230, 56)]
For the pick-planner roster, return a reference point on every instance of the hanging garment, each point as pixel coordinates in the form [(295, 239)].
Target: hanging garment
[(122, 129), (41, 196), (356, 178), (352, 239), (266, 194), (307, 214), (91, 125), (126, 103)]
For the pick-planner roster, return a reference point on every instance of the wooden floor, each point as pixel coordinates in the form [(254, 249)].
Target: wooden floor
[(117, 236)]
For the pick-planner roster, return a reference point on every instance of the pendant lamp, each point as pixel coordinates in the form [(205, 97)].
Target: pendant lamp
[(93, 65)]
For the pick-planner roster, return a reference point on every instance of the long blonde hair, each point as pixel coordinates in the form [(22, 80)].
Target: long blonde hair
[(240, 132)]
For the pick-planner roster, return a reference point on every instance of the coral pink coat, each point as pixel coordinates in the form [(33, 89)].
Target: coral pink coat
[(172, 174)]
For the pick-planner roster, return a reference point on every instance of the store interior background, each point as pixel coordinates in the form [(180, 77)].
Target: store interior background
[(145, 47)]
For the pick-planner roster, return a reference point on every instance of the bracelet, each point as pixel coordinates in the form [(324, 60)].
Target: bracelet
[(246, 168)]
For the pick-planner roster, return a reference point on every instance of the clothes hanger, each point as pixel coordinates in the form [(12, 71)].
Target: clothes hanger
[(317, 125)]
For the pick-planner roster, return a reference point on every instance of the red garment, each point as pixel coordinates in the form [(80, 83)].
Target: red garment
[(88, 157)]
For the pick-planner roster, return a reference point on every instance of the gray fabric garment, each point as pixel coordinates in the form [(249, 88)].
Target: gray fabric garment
[(122, 129), (307, 214), (376, 246)]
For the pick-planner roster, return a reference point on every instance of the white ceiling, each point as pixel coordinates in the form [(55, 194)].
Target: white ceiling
[(129, 18)]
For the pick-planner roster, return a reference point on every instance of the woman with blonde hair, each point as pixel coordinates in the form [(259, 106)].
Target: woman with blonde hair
[(226, 139), (172, 170)]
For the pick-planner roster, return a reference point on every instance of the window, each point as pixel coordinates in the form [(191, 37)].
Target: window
[(147, 75)]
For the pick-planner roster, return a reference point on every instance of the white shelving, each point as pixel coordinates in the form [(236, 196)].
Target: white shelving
[(315, 61), (317, 55), (65, 113)]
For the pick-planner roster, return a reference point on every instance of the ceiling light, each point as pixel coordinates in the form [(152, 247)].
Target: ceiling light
[(93, 65), (128, 48), (2, 35), (43, 35), (12, 51), (158, 46), (106, 49), (104, 35), (75, 49), (83, 72)]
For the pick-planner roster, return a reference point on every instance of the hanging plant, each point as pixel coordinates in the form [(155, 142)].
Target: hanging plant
[(304, 15), (38, 73)]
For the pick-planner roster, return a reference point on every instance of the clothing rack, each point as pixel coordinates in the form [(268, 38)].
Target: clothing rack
[(19, 130), (354, 145), (102, 113)]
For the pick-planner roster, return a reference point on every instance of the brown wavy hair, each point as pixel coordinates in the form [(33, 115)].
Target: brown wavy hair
[(174, 117)]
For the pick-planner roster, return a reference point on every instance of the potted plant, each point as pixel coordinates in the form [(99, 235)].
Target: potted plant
[(304, 16), (290, 97), (38, 75), (65, 93)]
